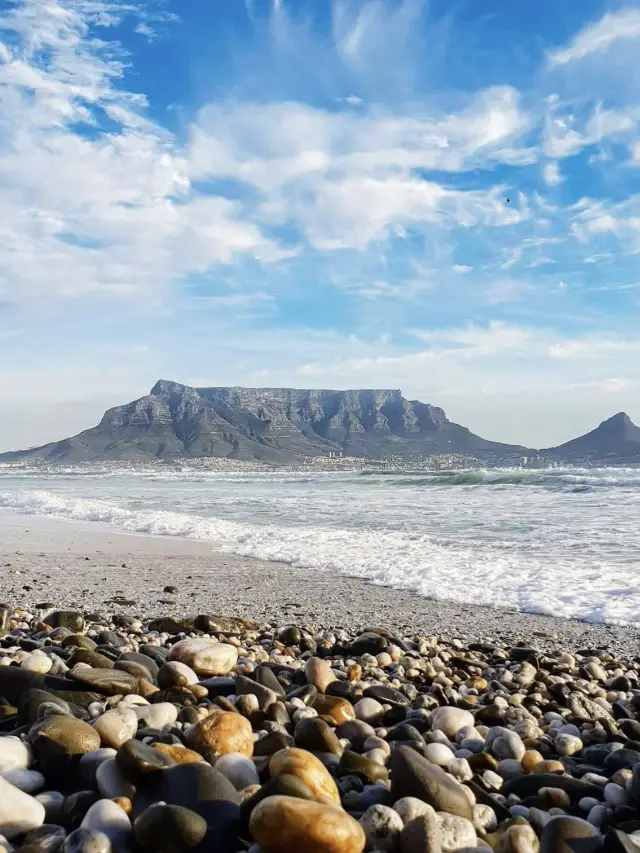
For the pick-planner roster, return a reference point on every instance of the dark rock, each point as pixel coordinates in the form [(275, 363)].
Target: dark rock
[(620, 759), (75, 807), (264, 675), (108, 682), (414, 776), (387, 695), (171, 625), (169, 829), (353, 764), (144, 660), (285, 785), (290, 636), (529, 785), (316, 736), (210, 623), (136, 760), (90, 657), (112, 638), (70, 619), (272, 743), (617, 841), (368, 644), (564, 834), (47, 838), (265, 696)]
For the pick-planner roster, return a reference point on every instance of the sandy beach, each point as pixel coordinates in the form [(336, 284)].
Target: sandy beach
[(98, 568)]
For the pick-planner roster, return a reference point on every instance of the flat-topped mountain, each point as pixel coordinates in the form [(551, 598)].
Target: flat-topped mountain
[(617, 438), (272, 424)]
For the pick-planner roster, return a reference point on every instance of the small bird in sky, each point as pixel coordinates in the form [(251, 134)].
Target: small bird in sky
[(507, 201)]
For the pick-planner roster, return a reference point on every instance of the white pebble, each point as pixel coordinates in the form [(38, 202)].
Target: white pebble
[(438, 754), (157, 716), (19, 812), (106, 816), (239, 770), (456, 832), (460, 769), (382, 826), (15, 754), (27, 780)]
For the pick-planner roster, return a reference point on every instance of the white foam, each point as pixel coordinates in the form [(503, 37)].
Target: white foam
[(568, 555)]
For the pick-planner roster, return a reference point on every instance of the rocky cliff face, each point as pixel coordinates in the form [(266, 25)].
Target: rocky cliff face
[(271, 424)]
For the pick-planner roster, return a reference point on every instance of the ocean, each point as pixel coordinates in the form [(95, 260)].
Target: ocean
[(563, 542)]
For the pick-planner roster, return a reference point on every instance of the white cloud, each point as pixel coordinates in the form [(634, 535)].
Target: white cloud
[(84, 210), (551, 174), (461, 268), (599, 36), (348, 179)]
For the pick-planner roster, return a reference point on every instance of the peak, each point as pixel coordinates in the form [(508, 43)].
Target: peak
[(166, 386), (621, 418)]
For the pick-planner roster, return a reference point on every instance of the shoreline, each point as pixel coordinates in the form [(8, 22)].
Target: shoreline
[(88, 564)]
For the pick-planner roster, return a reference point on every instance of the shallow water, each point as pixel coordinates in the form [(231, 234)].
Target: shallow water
[(559, 542)]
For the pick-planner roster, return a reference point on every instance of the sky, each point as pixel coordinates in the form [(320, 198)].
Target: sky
[(441, 197)]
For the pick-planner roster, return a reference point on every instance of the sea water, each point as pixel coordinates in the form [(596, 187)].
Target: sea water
[(558, 542)]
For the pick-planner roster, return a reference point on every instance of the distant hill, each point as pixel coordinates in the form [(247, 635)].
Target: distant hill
[(280, 425), (616, 439)]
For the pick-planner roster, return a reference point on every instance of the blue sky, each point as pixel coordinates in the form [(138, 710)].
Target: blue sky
[(442, 197)]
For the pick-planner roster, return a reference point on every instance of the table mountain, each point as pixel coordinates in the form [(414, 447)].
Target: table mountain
[(616, 439), (281, 425)]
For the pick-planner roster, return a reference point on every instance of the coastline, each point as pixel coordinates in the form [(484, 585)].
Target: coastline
[(88, 564)]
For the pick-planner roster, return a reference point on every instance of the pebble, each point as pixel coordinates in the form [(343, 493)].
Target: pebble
[(205, 657), (270, 738), (281, 824), (19, 812), (382, 827)]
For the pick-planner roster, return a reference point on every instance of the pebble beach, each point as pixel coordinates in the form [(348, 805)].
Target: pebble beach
[(155, 696)]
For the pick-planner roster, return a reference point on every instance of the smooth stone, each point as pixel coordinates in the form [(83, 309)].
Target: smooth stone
[(135, 760), (338, 709), (318, 672), (157, 716), (369, 710), (179, 754), (351, 763), (205, 657), (70, 619), (75, 807), (57, 740), (529, 785), (52, 802), (411, 807), (142, 660), (287, 785), (87, 841), (421, 834), (90, 762), (239, 770), (27, 780), (309, 769), (564, 834), (19, 812), (109, 682), (507, 745), (46, 838), (107, 817), (368, 644), (450, 720), (281, 824), (116, 726), (15, 754), (412, 775), (388, 696), (169, 829), (222, 732), (111, 782), (265, 696), (317, 736), (456, 832), (382, 827), (438, 754), (264, 675), (176, 674), (617, 841), (620, 759)]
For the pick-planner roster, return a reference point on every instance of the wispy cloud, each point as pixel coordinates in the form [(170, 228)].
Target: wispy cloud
[(599, 36)]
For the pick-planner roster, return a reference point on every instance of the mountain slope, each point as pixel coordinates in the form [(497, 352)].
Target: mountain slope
[(272, 424), (617, 438)]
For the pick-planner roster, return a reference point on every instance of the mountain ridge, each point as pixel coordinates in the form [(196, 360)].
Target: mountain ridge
[(286, 425)]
